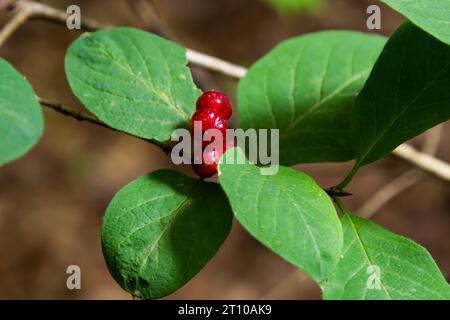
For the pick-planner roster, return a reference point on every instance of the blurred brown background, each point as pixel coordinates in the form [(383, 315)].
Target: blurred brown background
[(52, 200)]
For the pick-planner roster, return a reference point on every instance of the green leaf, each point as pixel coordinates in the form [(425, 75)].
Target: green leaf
[(132, 80), (406, 94), (306, 87), (407, 270), (287, 212), (432, 16), (296, 6), (160, 230), (21, 120)]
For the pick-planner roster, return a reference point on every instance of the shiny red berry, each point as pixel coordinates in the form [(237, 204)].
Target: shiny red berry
[(210, 119), (210, 160), (204, 170), (214, 100), (208, 167)]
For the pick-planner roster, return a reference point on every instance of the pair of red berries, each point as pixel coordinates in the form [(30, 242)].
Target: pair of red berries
[(213, 111)]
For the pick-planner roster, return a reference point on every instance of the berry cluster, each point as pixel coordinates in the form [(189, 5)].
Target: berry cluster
[(213, 111)]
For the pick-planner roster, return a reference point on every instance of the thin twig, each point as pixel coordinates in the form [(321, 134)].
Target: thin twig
[(45, 12), (26, 10), (166, 147), (215, 64), (73, 113), (423, 161), (20, 17)]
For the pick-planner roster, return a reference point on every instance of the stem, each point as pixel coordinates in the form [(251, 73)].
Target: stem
[(348, 178), (72, 113), (341, 205), (166, 147)]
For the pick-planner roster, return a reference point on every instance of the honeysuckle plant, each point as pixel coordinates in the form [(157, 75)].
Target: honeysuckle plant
[(334, 96)]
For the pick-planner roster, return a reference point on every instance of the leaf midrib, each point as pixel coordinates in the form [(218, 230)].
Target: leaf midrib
[(366, 253), (130, 72), (174, 215), (405, 109), (290, 130)]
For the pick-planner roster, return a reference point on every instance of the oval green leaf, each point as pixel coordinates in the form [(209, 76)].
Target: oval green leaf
[(406, 94), (287, 212), (21, 120), (377, 264), (306, 88), (160, 230), (432, 16), (132, 80)]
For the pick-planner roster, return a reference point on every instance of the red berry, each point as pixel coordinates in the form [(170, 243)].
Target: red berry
[(208, 167), (210, 119), (213, 108), (204, 170), (226, 144), (215, 101)]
